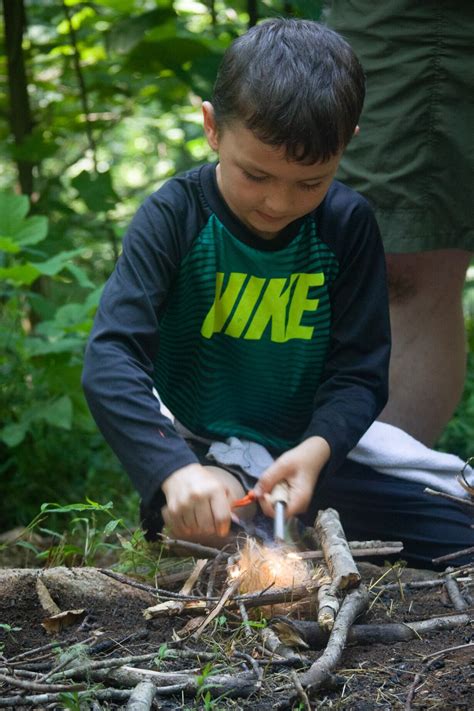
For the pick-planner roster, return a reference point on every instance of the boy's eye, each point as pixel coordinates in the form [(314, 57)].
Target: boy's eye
[(255, 178), (310, 186)]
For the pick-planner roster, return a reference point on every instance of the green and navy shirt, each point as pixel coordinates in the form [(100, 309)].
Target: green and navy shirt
[(267, 340)]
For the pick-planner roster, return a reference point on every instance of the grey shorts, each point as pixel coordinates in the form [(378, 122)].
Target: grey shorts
[(414, 157)]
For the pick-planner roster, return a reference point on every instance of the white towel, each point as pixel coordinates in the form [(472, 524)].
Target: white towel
[(392, 451)]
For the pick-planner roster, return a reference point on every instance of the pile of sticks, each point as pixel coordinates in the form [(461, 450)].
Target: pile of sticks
[(209, 605)]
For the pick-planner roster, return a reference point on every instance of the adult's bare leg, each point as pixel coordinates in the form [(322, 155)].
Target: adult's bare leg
[(428, 364)]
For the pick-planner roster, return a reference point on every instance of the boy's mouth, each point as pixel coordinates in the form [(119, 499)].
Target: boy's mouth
[(270, 218)]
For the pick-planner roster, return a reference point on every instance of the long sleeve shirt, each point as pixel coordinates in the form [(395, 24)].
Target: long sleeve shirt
[(268, 340)]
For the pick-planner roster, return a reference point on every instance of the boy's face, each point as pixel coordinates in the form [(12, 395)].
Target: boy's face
[(264, 189)]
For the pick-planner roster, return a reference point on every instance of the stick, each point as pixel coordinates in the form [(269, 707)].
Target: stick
[(38, 700), (336, 551), (174, 607), (454, 593), (35, 686), (360, 549), (193, 548), (316, 638), (355, 602), (142, 697), (328, 604), (213, 614), (453, 556), (167, 683), (245, 618), (301, 692)]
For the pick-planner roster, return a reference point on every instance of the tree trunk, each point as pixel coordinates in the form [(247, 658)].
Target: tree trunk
[(21, 123), (252, 12)]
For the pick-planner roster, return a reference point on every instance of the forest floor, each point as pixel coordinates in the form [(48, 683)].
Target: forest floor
[(433, 671)]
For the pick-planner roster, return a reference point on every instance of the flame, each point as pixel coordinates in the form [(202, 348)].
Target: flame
[(261, 566)]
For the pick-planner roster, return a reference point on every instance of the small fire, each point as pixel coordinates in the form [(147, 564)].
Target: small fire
[(261, 566)]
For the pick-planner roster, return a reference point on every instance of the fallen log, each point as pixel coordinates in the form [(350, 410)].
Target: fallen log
[(316, 638)]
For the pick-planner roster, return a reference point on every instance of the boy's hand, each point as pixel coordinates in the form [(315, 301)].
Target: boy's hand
[(300, 467), (198, 504)]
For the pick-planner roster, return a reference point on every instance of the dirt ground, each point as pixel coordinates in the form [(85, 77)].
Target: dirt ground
[(375, 676)]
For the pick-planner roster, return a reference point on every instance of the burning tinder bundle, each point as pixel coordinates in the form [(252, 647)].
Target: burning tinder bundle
[(260, 567)]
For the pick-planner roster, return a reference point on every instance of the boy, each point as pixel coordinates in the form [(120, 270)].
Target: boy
[(251, 294)]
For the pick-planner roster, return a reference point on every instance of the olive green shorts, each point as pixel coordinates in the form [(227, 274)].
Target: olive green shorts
[(414, 157)]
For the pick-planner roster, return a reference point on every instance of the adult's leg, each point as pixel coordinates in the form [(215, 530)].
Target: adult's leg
[(428, 363)]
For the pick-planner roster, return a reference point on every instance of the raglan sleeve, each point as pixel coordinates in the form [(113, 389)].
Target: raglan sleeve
[(354, 387), (119, 359)]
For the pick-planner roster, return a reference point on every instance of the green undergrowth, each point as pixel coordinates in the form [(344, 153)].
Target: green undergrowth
[(85, 534)]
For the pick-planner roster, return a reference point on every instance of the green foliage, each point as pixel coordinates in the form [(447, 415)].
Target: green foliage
[(102, 138)]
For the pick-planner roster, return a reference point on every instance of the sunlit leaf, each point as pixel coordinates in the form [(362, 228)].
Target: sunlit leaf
[(125, 34), (13, 209)]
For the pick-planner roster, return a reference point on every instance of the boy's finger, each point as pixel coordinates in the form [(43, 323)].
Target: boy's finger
[(205, 518), (221, 511), (275, 473)]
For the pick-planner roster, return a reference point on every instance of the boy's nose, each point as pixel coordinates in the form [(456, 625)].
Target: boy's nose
[(278, 203)]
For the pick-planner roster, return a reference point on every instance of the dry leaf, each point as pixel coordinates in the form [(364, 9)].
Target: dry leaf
[(288, 636), (56, 623), (47, 602), (191, 625)]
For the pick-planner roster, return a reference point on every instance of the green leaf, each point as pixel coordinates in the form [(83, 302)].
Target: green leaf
[(12, 435), (126, 33), (13, 209), (22, 275), (33, 230), (8, 245), (53, 266), (59, 413), (39, 347), (96, 190), (80, 276)]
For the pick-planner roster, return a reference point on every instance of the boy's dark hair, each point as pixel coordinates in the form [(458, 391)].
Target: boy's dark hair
[(294, 83)]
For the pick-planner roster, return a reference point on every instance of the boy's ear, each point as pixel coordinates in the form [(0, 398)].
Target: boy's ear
[(357, 130), (210, 128)]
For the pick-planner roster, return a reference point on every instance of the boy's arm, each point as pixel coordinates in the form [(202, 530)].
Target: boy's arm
[(354, 387), (118, 367)]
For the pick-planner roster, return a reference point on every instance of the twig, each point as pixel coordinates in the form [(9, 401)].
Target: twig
[(174, 607), (443, 652), (213, 572), (245, 618), (453, 556), (338, 557), (36, 686), (454, 593), (194, 548), (213, 614), (301, 692), (414, 685), (355, 602), (141, 698), (39, 700), (458, 499)]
